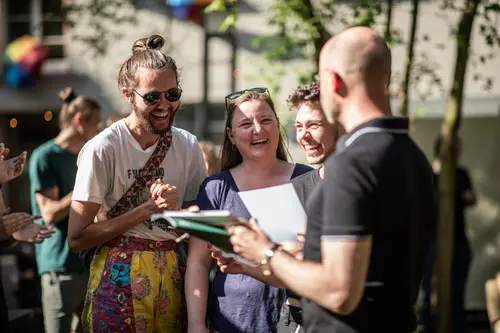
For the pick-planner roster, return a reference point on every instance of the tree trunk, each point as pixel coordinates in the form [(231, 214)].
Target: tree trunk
[(405, 89), (388, 22), (323, 34), (448, 159)]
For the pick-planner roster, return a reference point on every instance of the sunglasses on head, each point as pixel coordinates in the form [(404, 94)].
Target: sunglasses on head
[(237, 94), (153, 97)]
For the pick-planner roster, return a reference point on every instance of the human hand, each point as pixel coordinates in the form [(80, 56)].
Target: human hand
[(164, 196), (13, 222), (226, 265), (34, 233), (301, 237), (13, 168), (249, 241)]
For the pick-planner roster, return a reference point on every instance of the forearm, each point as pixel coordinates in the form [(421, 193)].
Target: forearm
[(196, 290), (308, 279), (256, 273), (54, 211), (99, 233)]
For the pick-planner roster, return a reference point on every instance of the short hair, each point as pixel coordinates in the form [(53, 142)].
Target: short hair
[(303, 94)]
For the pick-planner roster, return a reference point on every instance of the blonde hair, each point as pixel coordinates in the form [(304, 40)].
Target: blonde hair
[(209, 150), (73, 104)]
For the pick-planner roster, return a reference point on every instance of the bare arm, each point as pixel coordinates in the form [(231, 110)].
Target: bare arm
[(337, 283), (196, 282), (52, 208), (83, 233)]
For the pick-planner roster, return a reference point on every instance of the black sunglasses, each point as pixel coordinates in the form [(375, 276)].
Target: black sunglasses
[(237, 94), (153, 97)]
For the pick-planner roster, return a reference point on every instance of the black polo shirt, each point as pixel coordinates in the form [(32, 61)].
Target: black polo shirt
[(378, 185)]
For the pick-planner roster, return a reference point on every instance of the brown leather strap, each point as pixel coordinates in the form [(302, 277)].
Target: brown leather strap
[(146, 174)]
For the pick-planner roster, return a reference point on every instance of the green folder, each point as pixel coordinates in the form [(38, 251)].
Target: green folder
[(208, 226)]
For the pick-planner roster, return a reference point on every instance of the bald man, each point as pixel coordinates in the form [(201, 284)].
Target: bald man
[(370, 220)]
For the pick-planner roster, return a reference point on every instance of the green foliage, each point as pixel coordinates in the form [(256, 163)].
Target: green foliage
[(99, 16)]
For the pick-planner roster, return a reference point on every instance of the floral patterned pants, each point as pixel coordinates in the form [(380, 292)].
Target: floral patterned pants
[(135, 285)]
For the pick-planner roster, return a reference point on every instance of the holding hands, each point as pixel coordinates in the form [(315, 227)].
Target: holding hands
[(21, 226)]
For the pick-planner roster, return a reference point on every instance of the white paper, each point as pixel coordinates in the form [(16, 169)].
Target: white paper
[(278, 211)]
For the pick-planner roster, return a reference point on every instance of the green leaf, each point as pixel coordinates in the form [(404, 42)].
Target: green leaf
[(216, 6)]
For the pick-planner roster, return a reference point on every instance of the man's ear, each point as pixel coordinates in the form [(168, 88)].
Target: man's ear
[(128, 94)]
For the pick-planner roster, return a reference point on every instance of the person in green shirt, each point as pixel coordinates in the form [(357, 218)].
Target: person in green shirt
[(52, 171)]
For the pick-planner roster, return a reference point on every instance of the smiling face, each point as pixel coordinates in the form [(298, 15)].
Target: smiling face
[(314, 133), (254, 130), (156, 118)]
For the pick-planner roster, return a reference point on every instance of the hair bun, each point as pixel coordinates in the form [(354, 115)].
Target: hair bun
[(154, 42), (67, 95)]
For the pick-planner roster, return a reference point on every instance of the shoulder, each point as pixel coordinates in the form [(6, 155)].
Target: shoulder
[(309, 176), (216, 181), (105, 141), (301, 169), (43, 150), (183, 137)]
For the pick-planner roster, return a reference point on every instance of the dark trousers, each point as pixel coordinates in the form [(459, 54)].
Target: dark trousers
[(460, 271), (4, 313), (290, 320)]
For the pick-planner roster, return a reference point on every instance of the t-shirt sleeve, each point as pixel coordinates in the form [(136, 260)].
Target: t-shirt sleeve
[(347, 200), (197, 173), (207, 198), (94, 173), (41, 172)]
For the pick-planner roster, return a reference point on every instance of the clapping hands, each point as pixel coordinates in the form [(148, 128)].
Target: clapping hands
[(163, 196), (12, 168)]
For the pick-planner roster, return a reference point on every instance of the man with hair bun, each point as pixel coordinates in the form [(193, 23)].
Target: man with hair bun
[(138, 166), (52, 172)]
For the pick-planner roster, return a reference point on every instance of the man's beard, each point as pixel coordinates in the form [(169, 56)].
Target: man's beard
[(147, 124)]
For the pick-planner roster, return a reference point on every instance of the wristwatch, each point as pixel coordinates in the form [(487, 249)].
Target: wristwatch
[(264, 264)]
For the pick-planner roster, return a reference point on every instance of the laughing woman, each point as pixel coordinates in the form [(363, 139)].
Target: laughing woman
[(253, 157)]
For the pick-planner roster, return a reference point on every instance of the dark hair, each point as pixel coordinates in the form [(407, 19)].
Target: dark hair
[(231, 157), (302, 94), (146, 53), (73, 104)]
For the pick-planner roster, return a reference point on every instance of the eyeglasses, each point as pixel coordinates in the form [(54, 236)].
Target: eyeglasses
[(153, 97), (237, 94)]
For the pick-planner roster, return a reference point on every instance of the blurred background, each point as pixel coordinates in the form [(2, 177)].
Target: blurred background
[(232, 45)]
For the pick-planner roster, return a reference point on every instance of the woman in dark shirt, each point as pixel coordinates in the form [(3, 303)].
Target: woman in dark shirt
[(253, 157)]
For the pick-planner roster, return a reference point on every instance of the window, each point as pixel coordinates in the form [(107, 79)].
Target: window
[(39, 18)]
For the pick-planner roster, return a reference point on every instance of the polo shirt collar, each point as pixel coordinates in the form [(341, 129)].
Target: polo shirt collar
[(386, 124)]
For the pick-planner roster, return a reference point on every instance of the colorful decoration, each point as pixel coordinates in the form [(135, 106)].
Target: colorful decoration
[(24, 58), (191, 10)]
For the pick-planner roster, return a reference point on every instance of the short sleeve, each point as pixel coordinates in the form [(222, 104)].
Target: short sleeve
[(197, 173), (94, 173), (207, 198), (347, 200), (40, 172)]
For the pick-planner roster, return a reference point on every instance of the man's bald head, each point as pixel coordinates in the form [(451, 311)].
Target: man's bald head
[(355, 58), (359, 53)]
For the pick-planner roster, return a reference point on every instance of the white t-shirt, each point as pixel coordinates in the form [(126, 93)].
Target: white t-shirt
[(108, 163)]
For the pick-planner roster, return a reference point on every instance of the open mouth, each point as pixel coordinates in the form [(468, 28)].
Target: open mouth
[(312, 149), (259, 142), (161, 115)]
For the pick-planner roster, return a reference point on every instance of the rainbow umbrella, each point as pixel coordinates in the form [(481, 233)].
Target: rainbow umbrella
[(188, 9), (23, 61)]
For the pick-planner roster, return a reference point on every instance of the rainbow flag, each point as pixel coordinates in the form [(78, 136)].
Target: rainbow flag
[(188, 9), (23, 61)]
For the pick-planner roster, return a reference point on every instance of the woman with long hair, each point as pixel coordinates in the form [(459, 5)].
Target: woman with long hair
[(253, 157)]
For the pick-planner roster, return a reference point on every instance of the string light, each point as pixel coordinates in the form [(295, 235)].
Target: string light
[(48, 116)]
